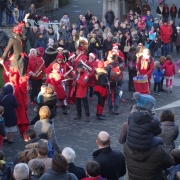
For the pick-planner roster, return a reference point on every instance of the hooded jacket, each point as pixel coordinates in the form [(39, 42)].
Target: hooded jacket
[(147, 165), (169, 68), (8, 101), (142, 129)]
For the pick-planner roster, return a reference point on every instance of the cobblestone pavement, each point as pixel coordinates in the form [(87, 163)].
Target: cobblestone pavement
[(81, 135)]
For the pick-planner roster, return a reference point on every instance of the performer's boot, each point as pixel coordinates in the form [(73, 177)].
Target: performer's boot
[(100, 110)]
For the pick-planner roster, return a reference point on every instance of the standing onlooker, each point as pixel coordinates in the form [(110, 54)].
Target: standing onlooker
[(145, 8), (32, 36), (21, 6), (159, 11), (4, 38), (88, 16), (111, 169), (165, 33), (65, 21), (2, 7), (32, 10), (8, 101), (177, 41), (169, 68), (109, 16), (16, 14), (157, 75), (9, 13), (170, 130), (40, 42), (173, 35), (50, 35), (173, 13), (165, 12), (137, 10)]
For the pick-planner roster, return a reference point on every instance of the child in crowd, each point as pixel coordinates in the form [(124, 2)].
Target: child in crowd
[(157, 75), (2, 127), (4, 169), (9, 103), (143, 126), (16, 14), (93, 171), (170, 130), (169, 68)]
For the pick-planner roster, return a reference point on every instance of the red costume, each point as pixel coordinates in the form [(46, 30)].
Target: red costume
[(5, 76), (17, 76)]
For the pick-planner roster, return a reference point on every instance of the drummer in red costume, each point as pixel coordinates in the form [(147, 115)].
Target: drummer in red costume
[(81, 55), (92, 63), (17, 75), (35, 71), (145, 65), (55, 79)]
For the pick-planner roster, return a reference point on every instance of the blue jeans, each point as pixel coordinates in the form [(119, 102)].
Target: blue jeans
[(1, 17), (109, 25), (157, 53), (21, 15), (114, 91), (9, 19), (171, 47), (165, 49)]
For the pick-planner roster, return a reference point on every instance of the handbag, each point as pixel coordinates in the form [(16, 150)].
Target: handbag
[(126, 47)]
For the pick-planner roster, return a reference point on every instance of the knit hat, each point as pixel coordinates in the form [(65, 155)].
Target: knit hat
[(92, 55), (144, 100), (100, 64), (59, 56), (32, 50), (50, 41), (71, 55)]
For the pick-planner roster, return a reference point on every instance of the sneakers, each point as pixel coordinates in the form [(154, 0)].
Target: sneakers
[(100, 117), (77, 118)]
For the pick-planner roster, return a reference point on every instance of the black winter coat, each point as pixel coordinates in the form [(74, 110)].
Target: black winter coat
[(21, 4), (165, 14), (77, 171), (142, 129), (4, 38), (40, 42), (32, 38), (173, 13), (147, 165), (107, 46), (102, 79), (112, 163), (8, 101), (109, 16)]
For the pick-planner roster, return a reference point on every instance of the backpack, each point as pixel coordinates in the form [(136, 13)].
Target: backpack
[(115, 74)]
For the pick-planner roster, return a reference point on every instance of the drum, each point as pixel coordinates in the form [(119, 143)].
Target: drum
[(141, 85)]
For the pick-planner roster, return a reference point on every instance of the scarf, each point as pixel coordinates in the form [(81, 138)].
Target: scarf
[(143, 111)]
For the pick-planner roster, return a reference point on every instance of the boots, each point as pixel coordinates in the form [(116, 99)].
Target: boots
[(64, 110)]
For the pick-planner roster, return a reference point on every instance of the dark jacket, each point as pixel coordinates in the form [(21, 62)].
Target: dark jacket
[(142, 129), (108, 69), (21, 4), (138, 10), (50, 55), (112, 163), (131, 57), (109, 16), (170, 132), (8, 101), (32, 38), (33, 177), (3, 4), (164, 13), (107, 46), (174, 33), (77, 171), (52, 35), (6, 172), (147, 165), (102, 79), (2, 127), (88, 17), (173, 13), (51, 174), (124, 42), (40, 42), (4, 38)]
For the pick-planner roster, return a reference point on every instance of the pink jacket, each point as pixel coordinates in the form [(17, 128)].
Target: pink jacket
[(169, 68)]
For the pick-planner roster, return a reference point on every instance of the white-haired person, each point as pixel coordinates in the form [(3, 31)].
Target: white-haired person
[(21, 172), (70, 155)]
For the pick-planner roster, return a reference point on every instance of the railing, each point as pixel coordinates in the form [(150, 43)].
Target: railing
[(51, 11)]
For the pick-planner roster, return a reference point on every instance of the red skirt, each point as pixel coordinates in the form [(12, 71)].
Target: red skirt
[(102, 90)]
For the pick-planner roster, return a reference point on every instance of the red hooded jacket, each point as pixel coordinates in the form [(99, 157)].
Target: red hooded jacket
[(165, 33), (169, 68)]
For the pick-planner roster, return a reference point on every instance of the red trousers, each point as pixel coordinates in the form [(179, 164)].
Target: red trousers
[(70, 97), (20, 92), (1, 141)]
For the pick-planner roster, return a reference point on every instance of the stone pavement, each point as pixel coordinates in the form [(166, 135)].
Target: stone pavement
[(81, 135)]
